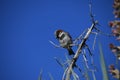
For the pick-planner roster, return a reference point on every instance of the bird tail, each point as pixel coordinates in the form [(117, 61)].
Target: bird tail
[(70, 51)]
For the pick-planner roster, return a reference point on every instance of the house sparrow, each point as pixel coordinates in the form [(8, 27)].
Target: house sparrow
[(65, 40)]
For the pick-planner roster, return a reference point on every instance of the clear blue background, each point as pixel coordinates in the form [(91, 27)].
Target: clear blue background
[(26, 26)]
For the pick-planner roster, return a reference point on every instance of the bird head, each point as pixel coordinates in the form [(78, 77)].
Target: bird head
[(58, 32)]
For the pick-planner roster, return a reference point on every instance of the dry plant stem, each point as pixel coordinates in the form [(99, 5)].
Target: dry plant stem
[(76, 56)]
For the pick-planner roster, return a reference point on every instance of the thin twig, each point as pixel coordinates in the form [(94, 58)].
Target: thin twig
[(75, 76), (63, 78), (54, 44), (59, 62), (40, 76), (93, 74), (85, 59), (51, 77), (94, 40), (79, 37)]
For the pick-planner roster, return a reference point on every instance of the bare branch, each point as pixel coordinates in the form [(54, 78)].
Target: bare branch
[(76, 56)]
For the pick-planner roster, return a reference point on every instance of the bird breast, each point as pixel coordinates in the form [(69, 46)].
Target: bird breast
[(64, 40)]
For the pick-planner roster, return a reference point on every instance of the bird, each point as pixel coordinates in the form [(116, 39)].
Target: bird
[(65, 40)]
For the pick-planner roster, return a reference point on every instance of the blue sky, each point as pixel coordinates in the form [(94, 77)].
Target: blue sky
[(26, 26)]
